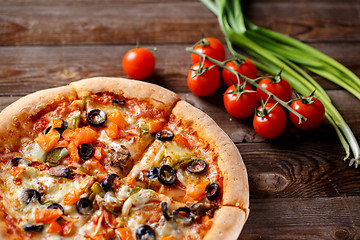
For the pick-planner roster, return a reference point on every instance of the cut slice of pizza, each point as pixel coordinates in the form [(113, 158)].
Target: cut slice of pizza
[(195, 164)]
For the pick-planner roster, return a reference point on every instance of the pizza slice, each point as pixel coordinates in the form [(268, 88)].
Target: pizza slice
[(203, 173)]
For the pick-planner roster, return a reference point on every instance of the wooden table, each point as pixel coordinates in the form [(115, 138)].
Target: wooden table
[(300, 188)]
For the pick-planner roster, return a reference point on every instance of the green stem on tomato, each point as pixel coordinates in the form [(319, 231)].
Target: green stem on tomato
[(251, 81)]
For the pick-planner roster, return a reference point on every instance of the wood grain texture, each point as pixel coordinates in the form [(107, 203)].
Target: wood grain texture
[(303, 219), (309, 21), (298, 170), (105, 22), (300, 187), (39, 67), (89, 22)]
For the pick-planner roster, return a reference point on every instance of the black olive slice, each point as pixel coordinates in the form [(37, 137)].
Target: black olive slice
[(196, 166), (184, 213), (212, 190), (167, 175), (61, 129), (164, 135), (96, 117), (145, 232), (108, 182), (16, 161), (119, 102), (84, 206), (165, 211), (153, 173), (56, 206), (30, 195), (85, 151), (35, 228)]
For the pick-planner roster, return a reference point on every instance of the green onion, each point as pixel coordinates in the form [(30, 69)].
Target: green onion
[(275, 51)]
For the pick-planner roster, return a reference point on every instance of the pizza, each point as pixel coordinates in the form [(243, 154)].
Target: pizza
[(112, 158)]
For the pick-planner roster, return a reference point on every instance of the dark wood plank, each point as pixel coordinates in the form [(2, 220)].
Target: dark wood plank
[(299, 170), (27, 69), (105, 22), (309, 21), (114, 22), (320, 218)]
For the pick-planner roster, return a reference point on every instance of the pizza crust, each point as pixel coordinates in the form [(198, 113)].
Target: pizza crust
[(16, 119), (227, 224), (236, 188), (159, 97)]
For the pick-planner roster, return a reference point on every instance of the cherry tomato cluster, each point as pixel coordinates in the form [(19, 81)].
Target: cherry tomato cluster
[(241, 100)]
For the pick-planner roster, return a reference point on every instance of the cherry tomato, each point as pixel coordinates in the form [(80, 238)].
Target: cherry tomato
[(248, 69), (312, 109), (272, 124), (281, 89), (139, 63), (240, 108), (211, 47), (203, 84)]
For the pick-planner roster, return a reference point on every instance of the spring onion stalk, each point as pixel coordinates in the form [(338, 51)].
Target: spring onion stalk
[(274, 51)]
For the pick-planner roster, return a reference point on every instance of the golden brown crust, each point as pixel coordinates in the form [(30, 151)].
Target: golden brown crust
[(236, 189), (16, 118), (228, 223), (158, 96)]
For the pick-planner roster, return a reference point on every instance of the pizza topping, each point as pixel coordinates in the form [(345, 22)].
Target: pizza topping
[(95, 190), (123, 234), (164, 135), (35, 228), (200, 209), (183, 215), (61, 171), (56, 206), (118, 102), (145, 232), (56, 122), (196, 166), (118, 119), (48, 141), (30, 195), (85, 151), (108, 182), (165, 211), (120, 160), (83, 135), (153, 173), (84, 206), (167, 175), (96, 117), (19, 161), (47, 215), (54, 156), (212, 191)]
